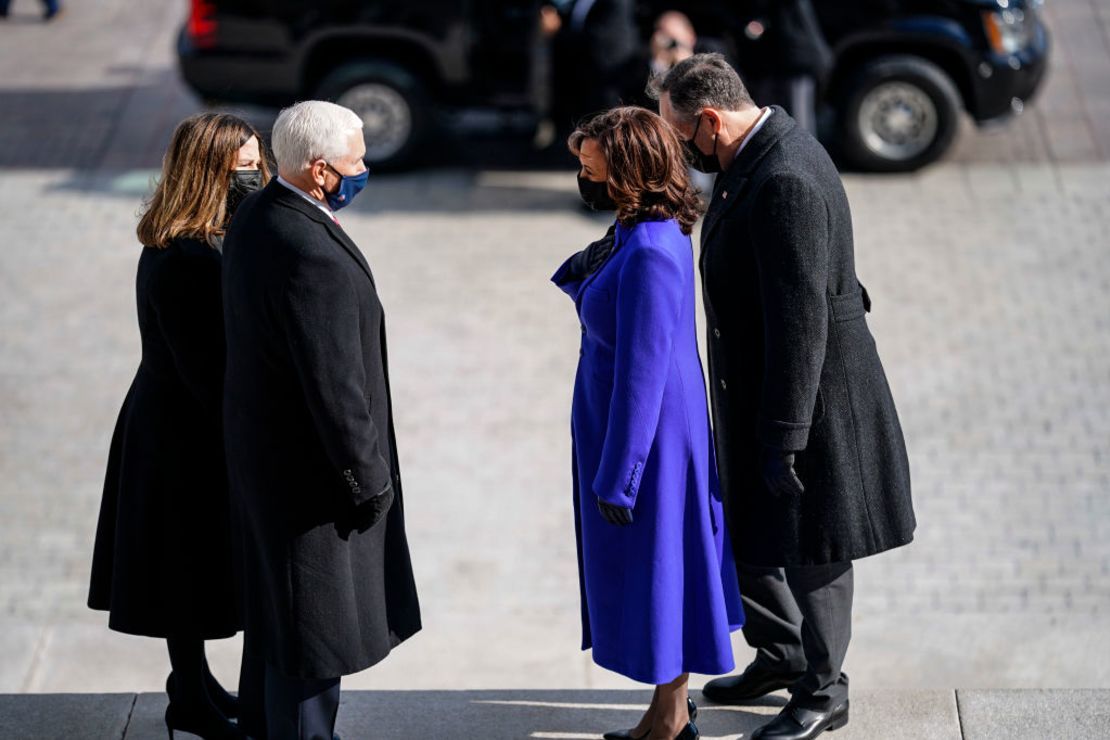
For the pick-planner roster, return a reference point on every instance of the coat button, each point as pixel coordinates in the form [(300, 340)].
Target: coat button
[(717, 332), (724, 385)]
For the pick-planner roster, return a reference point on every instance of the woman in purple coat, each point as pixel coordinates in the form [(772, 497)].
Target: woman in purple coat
[(659, 592)]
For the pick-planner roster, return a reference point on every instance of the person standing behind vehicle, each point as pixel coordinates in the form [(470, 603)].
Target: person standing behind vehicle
[(673, 40), (599, 59), (162, 560), (794, 58), (811, 454)]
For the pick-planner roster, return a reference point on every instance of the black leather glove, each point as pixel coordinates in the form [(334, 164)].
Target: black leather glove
[(619, 516), (778, 473), (586, 262), (372, 511)]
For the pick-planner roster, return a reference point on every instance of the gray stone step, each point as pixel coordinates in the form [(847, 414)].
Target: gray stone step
[(583, 715)]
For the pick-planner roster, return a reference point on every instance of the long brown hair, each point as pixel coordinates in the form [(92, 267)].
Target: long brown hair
[(190, 199), (647, 179)]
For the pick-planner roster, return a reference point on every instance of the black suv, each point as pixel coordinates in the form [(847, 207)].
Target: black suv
[(903, 68)]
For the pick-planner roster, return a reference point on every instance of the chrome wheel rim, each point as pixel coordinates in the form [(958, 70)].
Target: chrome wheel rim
[(386, 118), (898, 121)]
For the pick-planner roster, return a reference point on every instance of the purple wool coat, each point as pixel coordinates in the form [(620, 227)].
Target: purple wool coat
[(659, 597)]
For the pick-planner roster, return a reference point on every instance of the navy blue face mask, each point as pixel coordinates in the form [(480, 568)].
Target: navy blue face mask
[(349, 187)]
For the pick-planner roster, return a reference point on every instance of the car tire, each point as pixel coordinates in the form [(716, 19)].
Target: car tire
[(392, 104), (899, 113)]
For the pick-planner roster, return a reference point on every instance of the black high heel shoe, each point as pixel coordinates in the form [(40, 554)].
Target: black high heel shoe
[(225, 702), (689, 732), (208, 725), (691, 707)]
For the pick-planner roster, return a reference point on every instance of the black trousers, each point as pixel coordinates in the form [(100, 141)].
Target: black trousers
[(273, 706), (799, 620)]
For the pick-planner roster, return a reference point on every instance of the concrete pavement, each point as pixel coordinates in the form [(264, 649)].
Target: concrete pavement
[(585, 715)]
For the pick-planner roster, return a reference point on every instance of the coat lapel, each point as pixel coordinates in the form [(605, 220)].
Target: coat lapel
[(287, 197), (727, 192), (724, 195)]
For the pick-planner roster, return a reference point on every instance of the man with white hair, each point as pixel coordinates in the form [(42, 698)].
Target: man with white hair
[(312, 457)]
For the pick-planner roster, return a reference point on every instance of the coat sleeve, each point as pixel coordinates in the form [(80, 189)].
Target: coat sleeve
[(319, 309), (189, 309), (649, 299), (790, 235)]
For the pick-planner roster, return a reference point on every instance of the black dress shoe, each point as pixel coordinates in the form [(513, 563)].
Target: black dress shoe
[(228, 704), (755, 682), (691, 707), (797, 723)]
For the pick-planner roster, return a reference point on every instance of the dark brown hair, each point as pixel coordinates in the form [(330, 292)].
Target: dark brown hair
[(647, 179), (699, 82), (190, 198)]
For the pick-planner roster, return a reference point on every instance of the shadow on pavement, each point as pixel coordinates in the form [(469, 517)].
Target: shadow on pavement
[(398, 715)]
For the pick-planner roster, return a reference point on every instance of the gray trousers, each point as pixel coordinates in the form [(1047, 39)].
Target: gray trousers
[(799, 620)]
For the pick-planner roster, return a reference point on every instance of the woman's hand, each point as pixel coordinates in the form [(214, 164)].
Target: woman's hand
[(619, 516)]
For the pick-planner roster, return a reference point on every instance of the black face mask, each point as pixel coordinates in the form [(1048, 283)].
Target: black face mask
[(708, 163), (243, 183), (596, 195)]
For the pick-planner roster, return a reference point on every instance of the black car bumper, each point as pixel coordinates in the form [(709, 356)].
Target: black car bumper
[(1000, 80)]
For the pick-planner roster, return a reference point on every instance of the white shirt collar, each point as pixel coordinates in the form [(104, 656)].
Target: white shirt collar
[(754, 129), (307, 197)]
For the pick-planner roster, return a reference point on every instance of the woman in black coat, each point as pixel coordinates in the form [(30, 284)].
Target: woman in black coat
[(162, 563)]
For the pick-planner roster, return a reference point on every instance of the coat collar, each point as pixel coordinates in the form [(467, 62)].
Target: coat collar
[(288, 198), (732, 181)]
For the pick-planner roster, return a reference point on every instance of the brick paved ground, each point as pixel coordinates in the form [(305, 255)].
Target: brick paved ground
[(991, 280)]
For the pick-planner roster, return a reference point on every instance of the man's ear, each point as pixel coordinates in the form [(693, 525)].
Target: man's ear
[(716, 121), (319, 170)]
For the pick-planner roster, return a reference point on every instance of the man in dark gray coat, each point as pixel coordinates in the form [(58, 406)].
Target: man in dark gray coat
[(811, 454), (312, 455)]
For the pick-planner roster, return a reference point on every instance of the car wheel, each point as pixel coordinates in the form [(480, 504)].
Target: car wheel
[(391, 102), (899, 114)]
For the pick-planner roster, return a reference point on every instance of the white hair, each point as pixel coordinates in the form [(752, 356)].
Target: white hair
[(311, 130)]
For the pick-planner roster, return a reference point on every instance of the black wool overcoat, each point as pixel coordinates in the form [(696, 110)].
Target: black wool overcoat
[(162, 558), (312, 454), (792, 363)]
